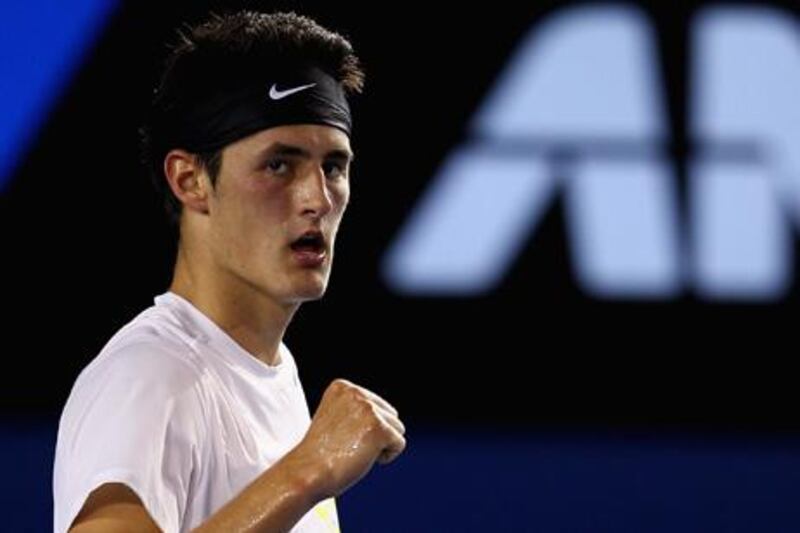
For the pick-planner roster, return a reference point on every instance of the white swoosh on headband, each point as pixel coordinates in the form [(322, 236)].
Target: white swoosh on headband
[(275, 94)]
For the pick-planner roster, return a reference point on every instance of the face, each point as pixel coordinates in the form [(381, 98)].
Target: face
[(275, 210)]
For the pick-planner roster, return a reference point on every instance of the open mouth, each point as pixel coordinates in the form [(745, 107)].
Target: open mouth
[(310, 242)]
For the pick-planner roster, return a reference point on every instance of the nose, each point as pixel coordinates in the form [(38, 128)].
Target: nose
[(314, 195)]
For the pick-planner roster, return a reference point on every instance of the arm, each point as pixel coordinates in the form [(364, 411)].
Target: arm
[(351, 429)]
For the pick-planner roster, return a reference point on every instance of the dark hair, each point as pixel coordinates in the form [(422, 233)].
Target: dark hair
[(210, 49)]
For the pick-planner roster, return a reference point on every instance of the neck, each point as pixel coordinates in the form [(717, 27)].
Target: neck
[(250, 317)]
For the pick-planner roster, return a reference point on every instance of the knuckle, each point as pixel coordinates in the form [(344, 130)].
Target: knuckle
[(341, 388), (340, 384), (360, 406), (382, 426), (357, 397), (373, 423)]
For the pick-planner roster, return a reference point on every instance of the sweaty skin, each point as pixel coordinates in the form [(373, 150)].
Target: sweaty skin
[(236, 264)]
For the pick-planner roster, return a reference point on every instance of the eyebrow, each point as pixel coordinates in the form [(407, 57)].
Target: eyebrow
[(279, 148)]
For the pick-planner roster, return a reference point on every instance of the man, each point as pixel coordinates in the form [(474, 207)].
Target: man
[(192, 417)]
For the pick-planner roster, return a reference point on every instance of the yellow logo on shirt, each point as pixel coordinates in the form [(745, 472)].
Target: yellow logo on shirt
[(326, 511)]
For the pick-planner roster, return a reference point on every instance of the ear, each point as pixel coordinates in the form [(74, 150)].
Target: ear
[(187, 179)]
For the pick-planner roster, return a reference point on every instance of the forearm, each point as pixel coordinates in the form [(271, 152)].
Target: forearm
[(274, 502)]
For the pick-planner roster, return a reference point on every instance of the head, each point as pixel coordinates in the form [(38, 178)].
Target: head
[(248, 143)]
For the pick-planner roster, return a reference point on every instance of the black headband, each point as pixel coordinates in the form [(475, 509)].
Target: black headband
[(232, 110)]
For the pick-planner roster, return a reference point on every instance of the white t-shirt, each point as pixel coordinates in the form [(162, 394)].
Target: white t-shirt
[(178, 411)]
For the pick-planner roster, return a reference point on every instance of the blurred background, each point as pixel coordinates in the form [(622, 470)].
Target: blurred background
[(570, 257)]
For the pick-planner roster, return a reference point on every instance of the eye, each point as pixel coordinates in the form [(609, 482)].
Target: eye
[(277, 165), (334, 169)]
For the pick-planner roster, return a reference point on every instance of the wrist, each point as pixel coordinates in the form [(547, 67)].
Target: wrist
[(309, 476)]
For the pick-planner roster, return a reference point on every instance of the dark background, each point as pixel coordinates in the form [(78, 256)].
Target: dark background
[(85, 248)]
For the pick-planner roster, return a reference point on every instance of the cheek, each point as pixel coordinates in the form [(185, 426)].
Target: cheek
[(266, 200), (342, 197), (252, 216), (340, 206)]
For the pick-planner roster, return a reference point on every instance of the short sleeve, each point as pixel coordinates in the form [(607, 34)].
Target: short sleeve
[(134, 417)]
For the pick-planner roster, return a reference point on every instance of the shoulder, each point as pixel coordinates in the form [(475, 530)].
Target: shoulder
[(148, 360), (135, 415), (152, 345), (138, 388)]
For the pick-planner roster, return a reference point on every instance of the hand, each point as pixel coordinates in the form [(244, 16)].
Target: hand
[(352, 428)]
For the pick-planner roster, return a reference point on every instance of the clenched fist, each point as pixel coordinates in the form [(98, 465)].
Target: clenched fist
[(352, 428)]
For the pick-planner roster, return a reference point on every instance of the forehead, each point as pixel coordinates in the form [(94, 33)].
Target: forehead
[(316, 139)]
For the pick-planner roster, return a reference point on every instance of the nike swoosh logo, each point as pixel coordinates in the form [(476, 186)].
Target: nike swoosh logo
[(275, 94)]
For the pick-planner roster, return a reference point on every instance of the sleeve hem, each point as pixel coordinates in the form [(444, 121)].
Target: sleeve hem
[(131, 480)]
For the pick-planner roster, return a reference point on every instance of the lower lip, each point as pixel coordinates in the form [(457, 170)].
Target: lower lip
[(309, 259)]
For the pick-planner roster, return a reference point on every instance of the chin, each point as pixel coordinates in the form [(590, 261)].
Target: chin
[(306, 297), (306, 285), (310, 292)]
